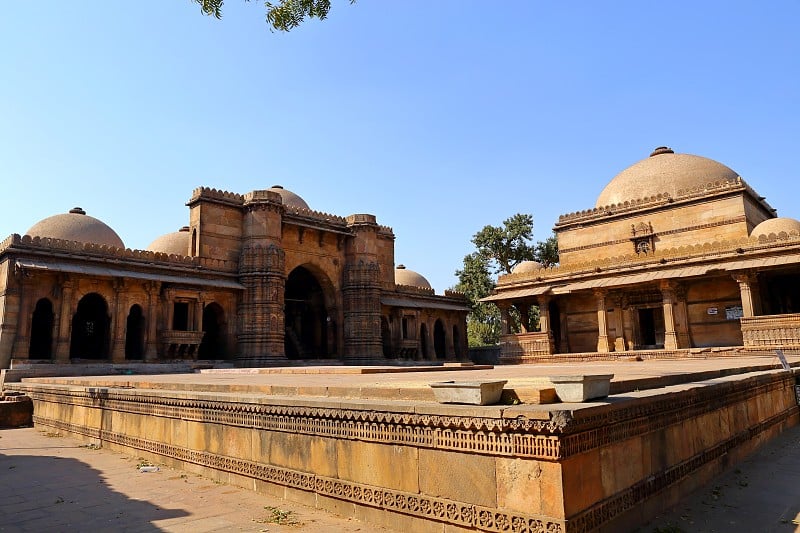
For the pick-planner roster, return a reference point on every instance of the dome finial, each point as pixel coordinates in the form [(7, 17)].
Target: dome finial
[(662, 150), (77, 211)]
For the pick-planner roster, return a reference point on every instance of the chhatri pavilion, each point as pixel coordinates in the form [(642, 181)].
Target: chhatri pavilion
[(679, 255), (253, 279)]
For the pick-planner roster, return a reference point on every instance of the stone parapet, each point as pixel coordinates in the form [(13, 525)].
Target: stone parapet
[(569, 468), (771, 331)]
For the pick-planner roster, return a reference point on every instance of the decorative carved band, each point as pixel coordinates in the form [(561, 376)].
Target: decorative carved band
[(551, 440), (418, 505)]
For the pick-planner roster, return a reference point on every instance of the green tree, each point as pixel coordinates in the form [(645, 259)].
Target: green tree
[(507, 245), (498, 250), (282, 15), (475, 282)]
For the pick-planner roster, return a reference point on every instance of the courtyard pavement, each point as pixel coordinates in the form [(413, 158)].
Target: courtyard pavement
[(54, 483)]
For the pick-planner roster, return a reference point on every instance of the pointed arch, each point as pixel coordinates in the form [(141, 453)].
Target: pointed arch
[(41, 345)]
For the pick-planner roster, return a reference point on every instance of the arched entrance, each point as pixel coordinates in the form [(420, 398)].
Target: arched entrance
[(423, 340), (456, 341), (213, 344), (41, 346), (134, 333), (386, 337), (306, 317), (439, 341), (89, 337)]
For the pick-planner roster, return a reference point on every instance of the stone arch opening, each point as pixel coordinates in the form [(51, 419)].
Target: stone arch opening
[(134, 333), (439, 340), (90, 328), (41, 345), (423, 340), (456, 341), (307, 319), (213, 343), (386, 337)]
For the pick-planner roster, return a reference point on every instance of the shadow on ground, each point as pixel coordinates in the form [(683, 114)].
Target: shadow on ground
[(63, 494)]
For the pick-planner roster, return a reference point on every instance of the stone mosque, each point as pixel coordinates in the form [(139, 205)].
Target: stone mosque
[(679, 256), (254, 279)]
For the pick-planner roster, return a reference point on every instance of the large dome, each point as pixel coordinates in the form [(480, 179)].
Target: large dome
[(776, 225), (176, 243), (663, 172), (404, 276), (289, 198), (76, 226)]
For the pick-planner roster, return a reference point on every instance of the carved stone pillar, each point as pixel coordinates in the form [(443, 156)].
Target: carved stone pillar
[(682, 318), (151, 343), (505, 319), (118, 322), (262, 326), (619, 329), (602, 321), (22, 343), (524, 317), (668, 303), (747, 282), (362, 312), (65, 320), (544, 314)]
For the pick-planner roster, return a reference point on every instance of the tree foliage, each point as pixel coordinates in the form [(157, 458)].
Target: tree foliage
[(498, 249), (507, 245), (282, 15)]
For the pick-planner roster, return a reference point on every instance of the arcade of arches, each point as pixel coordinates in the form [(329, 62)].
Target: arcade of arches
[(255, 279)]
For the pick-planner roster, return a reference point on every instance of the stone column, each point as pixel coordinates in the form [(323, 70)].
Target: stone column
[(746, 281), (198, 313), (602, 321), (505, 319), (65, 320), (22, 343), (524, 316), (118, 322), (169, 302), (151, 346), (682, 318), (668, 303), (619, 337), (544, 314)]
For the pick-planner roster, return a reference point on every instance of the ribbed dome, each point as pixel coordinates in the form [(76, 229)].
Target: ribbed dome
[(176, 243), (404, 276), (289, 198), (526, 266), (663, 172), (76, 226), (776, 225)]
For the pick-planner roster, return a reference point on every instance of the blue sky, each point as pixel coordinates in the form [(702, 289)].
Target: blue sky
[(438, 117)]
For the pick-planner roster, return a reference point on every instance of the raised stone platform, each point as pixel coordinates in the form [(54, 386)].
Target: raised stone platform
[(376, 446)]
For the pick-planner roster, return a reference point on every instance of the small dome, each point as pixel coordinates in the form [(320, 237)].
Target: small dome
[(76, 226), (776, 225), (289, 198), (526, 266), (663, 172), (404, 276), (176, 243)]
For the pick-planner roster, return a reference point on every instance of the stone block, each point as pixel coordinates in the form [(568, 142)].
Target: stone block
[(383, 465), (458, 476), (576, 389), (304, 453), (582, 482), (529, 486), (468, 392)]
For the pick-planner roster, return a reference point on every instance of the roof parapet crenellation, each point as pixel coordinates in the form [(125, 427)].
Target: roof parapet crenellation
[(317, 215), (738, 247), (659, 199), (208, 193), (414, 290), (60, 245)]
